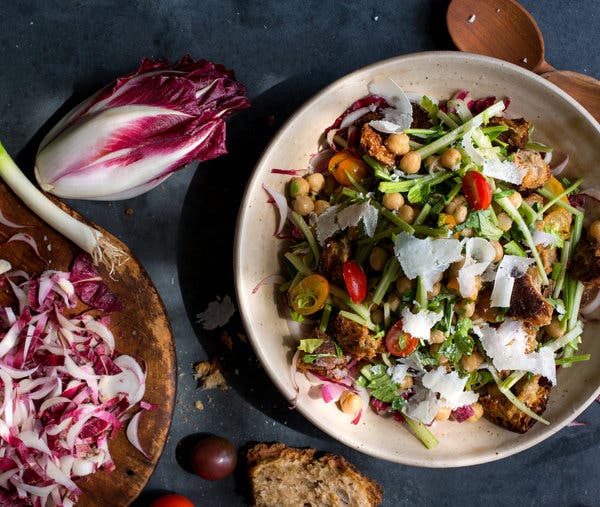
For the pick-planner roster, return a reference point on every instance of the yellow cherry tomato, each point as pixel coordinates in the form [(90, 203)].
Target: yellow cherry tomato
[(344, 165), (309, 295)]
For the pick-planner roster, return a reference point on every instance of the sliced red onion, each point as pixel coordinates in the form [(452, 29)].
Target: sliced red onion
[(575, 422), (548, 157), (26, 238), (560, 162), (332, 392), (350, 118), (275, 279), (289, 172), (9, 223), (319, 161), (461, 414), (132, 433), (282, 207)]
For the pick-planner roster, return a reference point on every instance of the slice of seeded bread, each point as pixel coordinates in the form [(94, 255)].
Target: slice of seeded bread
[(291, 477)]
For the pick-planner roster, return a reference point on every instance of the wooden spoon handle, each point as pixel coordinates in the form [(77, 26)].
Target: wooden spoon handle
[(584, 89)]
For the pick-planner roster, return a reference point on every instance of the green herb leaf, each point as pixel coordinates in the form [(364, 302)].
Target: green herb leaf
[(309, 345)]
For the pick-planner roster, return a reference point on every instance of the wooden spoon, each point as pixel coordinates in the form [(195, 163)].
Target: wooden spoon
[(504, 29), (141, 329)]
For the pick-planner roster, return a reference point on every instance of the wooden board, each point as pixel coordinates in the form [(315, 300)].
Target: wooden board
[(141, 330)]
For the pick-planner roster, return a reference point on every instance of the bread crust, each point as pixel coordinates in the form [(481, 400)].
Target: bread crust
[(268, 464)]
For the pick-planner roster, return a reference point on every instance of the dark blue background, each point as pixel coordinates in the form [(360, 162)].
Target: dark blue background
[(55, 53)]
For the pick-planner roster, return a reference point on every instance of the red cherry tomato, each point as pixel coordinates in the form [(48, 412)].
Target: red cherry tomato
[(355, 280), (477, 190), (398, 342), (214, 458), (172, 501)]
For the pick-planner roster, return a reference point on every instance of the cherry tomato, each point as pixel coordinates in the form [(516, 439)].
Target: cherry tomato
[(477, 190), (213, 458), (172, 501), (344, 164), (398, 342), (309, 295), (355, 280)]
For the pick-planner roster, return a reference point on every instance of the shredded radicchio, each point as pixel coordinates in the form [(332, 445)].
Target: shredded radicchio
[(64, 392), (90, 287)]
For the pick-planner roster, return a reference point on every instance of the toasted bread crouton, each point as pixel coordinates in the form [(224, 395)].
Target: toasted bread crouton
[(517, 134), (533, 393), (420, 118), (356, 340), (484, 308), (528, 304), (281, 475), (538, 172), (372, 143), (326, 361), (333, 255), (585, 266)]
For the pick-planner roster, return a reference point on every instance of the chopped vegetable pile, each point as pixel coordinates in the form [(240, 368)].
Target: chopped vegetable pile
[(65, 390), (430, 262)]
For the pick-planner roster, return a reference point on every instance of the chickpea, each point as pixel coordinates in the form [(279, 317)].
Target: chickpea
[(403, 284), (472, 362), (430, 161), (407, 382), (504, 222), (554, 329), (435, 290), (465, 308), (377, 316), (407, 213), (393, 201), (460, 214), (594, 230), (378, 258), (350, 403), (411, 162), (316, 182), (321, 206), (398, 143), (437, 336), (499, 250), (298, 186), (443, 360), (478, 408), (443, 414), (467, 232), (450, 208), (394, 302), (450, 158), (516, 199), (303, 205)]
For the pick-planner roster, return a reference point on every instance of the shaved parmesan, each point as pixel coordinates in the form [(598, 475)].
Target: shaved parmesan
[(507, 346), (511, 267), (337, 218), (450, 387), (398, 372), (426, 258), (419, 324), (479, 254), (398, 117), (505, 171), (423, 406), (544, 238)]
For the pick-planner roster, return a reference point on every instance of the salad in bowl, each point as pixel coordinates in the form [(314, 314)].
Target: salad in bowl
[(437, 271)]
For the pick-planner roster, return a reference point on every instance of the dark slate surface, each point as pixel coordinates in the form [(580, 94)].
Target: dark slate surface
[(55, 53)]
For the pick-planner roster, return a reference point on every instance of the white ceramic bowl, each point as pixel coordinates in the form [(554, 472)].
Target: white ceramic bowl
[(559, 121)]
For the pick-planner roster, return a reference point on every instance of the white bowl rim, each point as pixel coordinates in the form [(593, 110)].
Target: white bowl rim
[(485, 457)]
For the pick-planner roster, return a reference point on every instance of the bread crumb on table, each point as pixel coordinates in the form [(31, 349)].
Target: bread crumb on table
[(209, 376)]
